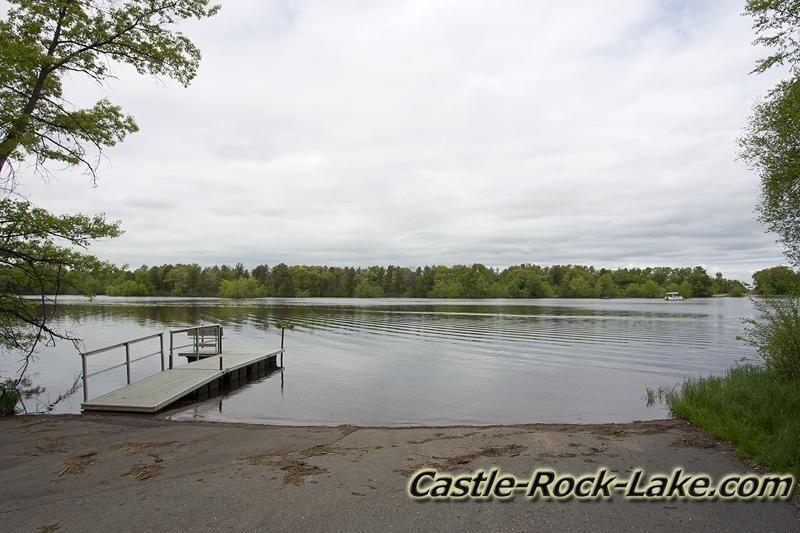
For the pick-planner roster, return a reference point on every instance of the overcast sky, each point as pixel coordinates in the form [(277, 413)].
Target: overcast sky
[(357, 132)]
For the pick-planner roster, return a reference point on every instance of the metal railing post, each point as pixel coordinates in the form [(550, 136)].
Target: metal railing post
[(128, 362), (171, 349), (161, 344), (282, 332), (85, 380)]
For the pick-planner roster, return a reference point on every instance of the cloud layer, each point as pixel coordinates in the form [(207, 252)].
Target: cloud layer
[(445, 131)]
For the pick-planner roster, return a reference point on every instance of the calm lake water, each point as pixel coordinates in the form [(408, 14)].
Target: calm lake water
[(419, 362)]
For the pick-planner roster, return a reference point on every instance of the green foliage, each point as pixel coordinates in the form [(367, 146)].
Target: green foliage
[(772, 148), (771, 144), (730, 287), (651, 289), (458, 281), (737, 289), (368, 289), (700, 282), (685, 289), (759, 408), (606, 286), (12, 391), (753, 407), (42, 42), (39, 253), (523, 281), (281, 281), (578, 282), (776, 335), (775, 23), (776, 281), (241, 288), (128, 287)]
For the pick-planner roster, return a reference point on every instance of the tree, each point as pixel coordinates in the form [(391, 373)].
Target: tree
[(578, 283), (651, 289), (776, 281), (241, 288), (41, 42), (772, 148), (281, 281), (685, 289), (771, 144), (737, 289), (700, 282), (776, 23), (38, 250), (606, 287), (239, 271), (523, 281), (261, 274), (445, 284), (368, 289)]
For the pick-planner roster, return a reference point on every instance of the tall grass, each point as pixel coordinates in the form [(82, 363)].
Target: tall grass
[(753, 407), (757, 407)]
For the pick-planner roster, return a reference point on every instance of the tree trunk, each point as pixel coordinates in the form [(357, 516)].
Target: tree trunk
[(18, 126)]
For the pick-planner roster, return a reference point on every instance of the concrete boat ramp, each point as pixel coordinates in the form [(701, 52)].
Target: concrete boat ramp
[(210, 365)]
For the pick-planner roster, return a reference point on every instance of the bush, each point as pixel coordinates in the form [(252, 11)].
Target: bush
[(776, 334)]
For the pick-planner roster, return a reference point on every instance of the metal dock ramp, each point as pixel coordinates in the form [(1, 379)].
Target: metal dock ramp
[(159, 390)]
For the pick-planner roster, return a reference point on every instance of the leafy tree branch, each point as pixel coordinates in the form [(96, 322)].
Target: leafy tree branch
[(41, 41)]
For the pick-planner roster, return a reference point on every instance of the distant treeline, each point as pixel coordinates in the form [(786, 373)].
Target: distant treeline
[(459, 281)]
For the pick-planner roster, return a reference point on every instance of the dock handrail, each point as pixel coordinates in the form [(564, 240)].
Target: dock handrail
[(199, 334), (126, 364), (196, 343)]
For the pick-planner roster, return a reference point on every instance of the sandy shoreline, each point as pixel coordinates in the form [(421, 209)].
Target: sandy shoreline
[(101, 473)]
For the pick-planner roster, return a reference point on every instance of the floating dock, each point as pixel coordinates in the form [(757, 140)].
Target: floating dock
[(159, 390), (156, 392)]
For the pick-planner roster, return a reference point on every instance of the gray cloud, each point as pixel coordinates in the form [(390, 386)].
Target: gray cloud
[(441, 132)]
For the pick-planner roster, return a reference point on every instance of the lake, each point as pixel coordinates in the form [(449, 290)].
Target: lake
[(398, 362)]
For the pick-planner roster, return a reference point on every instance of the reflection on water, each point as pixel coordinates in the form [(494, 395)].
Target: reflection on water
[(399, 362)]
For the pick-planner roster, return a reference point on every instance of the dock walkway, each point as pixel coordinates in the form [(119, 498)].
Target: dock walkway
[(155, 392)]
